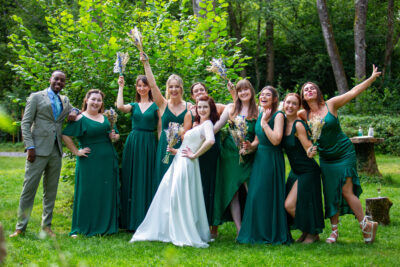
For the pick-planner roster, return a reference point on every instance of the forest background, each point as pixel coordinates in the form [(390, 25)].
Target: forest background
[(283, 43)]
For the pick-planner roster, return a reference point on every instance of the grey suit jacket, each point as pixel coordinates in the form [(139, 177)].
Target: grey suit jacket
[(39, 128)]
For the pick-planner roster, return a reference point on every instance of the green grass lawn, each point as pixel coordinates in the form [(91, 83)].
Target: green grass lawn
[(116, 251)]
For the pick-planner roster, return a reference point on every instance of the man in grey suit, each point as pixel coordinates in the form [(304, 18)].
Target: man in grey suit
[(41, 127)]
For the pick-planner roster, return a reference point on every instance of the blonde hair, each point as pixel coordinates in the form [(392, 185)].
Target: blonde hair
[(176, 78)]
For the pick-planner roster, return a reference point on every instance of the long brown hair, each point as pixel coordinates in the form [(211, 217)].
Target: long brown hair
[(214, 116), (144, 80), (275, 97), (253, 110), (87, 96), (320, 97)]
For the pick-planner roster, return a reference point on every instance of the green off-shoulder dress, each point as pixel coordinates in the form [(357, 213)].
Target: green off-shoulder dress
[(96, 197), (337, 159), (309, 215), (161, 167), (138, 164), (264, 219), (231, 174)]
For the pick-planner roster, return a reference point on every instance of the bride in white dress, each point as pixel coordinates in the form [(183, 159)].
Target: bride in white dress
[(177, 213)]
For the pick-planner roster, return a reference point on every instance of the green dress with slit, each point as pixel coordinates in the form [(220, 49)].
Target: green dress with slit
[(338, 161), (138, 164), (309, 216), (231, 174), (264, 219), (161, 167), (96, 198)]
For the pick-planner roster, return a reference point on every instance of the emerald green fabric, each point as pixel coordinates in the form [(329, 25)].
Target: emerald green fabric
[(161, 167), (231, 175), (338, 162), (96, 198), (309, 216), (138, 165), (264, 219)]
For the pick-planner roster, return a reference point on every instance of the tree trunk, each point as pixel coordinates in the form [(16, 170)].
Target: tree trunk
[(256, 57), (270, 51), (389, 39), (197, 8), (333, 51), (360, 20), (236, 26)]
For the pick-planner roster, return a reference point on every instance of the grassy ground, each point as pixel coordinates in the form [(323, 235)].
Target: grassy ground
[(116, 251), (10, 147)]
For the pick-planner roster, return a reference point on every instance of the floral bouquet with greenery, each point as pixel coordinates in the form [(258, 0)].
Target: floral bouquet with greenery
[(137, 38), (173, 134), (218, 67), (120, 63), (316, 125), (238, 129), (112, 117)]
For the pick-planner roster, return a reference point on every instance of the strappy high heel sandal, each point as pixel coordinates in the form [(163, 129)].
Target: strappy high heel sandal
[(369, 236), (334, 234)]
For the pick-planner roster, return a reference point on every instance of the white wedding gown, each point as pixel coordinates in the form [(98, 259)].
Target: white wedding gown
[(177, 213)]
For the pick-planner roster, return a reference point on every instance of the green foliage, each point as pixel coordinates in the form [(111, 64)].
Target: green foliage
[(387, 127)]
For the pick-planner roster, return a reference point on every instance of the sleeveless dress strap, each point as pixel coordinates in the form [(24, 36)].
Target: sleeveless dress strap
[(308, 130)]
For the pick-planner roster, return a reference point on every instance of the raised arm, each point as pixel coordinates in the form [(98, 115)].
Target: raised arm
[(159, 99), (120, 98), (341, 100), (275, 135), (223, 119), (187, 121)]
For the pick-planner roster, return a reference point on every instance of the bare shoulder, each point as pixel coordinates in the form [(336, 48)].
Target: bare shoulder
[(302, 114)]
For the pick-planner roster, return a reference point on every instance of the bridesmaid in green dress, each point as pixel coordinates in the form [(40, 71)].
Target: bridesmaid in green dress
[(139, 155), (96, 196), (172, 108), (209, 160), (233, 175), (337, 157), (264, 219), (303, 186)]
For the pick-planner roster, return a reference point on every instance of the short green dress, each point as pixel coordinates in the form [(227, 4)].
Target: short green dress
[(161, 167), (96, 198), (264, 219), (338, 161), (138, 164), (231, 174), (309, 216)]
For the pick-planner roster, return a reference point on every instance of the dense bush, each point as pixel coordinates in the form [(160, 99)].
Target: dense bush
[(385, 126)]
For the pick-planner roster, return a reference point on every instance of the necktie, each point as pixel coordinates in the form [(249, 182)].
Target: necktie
[(57, 103)]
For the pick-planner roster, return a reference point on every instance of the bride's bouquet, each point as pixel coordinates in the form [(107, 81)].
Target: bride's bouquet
[(173, 136), (316, 125), (238, 129)]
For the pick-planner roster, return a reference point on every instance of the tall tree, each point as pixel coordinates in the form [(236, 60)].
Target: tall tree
[(269, 44), (333, 51), (360, 20), (236, 23), (390, 43), (197, 8)]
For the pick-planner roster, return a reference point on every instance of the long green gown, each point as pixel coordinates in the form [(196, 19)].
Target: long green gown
[(309, 216), (208, 171), (231, 175), (161, 167), (96, 197), (138, 164), (338, 161), (264, 219)]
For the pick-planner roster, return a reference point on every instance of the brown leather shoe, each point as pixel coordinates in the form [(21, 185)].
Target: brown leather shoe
[(17, 232), (49, 232)]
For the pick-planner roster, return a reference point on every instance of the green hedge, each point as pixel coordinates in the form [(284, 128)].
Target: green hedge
[(385, 126)]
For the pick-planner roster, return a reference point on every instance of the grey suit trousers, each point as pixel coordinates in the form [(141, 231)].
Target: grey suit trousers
[(50, 167)]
